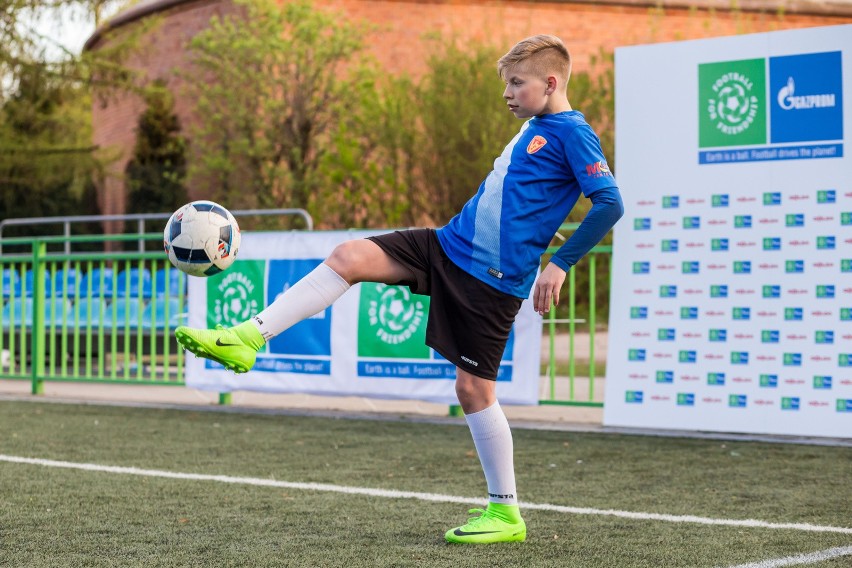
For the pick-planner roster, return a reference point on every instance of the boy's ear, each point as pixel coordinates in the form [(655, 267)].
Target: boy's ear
[(552, 83)]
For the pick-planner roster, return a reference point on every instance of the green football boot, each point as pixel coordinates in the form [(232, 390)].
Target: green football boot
[(497, 523), (233, 347)]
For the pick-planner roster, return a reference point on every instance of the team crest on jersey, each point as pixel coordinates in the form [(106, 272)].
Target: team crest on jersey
[(536, 144)]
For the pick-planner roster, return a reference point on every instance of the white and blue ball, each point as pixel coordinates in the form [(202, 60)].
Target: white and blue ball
[(202, 238)]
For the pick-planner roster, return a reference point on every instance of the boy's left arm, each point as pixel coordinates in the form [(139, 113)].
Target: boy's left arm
[(607, 209)]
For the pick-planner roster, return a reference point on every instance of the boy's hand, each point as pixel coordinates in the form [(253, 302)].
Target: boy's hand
[(547, 288)]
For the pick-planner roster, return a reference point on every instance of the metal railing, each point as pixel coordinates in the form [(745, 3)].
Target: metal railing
[(109, 317), (565, 385), (94, 317)]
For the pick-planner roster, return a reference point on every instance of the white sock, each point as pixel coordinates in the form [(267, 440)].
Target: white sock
[(319, 289), (493, 440)]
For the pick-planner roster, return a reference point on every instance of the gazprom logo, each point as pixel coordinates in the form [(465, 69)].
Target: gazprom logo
[(719, 291), (689, 312), (718, 335), (716, 379), (737, 400), (692, 222), (668, 291), (789, 403), (795, 219), (719, 244), (769, 381), (826, 242), (771, 291), (665, 376), (794, 266), (772, 198), (638, 312), (741, 313), (824, 337), (825, 291), (844, 405), (642, 224), (641, 267), (739, 357), (845, 314), (671, 202), (636, 355), (772, 243), (770, 336), (633, 397), (793, 314), (844, 360), (792, 359), (806, 97), (690, 267), (720, 200), (822, 382), (787, 100), (686, 356), (826, 196), (742, 267), (666, 334), (669, 245), (742, 221), (685, 399)]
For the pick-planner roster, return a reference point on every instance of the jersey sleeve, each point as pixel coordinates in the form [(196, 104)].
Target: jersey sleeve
[(585, 157), (607, 209)]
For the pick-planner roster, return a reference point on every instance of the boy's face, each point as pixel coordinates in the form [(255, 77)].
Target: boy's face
[(526, 94)]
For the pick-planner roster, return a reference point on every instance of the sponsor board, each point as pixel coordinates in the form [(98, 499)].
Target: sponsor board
[(748, 260)]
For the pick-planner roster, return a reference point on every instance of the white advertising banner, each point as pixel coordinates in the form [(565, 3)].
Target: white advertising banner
[(732, 268), (371, 342)]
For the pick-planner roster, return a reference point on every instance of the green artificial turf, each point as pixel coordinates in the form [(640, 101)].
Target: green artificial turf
[(53, 517)]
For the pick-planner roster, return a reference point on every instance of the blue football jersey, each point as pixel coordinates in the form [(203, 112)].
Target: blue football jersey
[(501, 233)]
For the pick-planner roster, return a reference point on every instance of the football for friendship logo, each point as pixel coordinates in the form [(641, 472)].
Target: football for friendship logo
[(236, 295), (392, 322), (732, 103)]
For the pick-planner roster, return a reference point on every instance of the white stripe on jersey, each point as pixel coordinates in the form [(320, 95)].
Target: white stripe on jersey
[(487, 225)]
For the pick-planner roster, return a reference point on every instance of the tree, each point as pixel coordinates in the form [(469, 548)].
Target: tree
[(47, 160), (463, 126), (157, 170), (275, 87), (46, 166)]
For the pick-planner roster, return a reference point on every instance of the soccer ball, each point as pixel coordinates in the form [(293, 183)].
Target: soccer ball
[(202, 238)]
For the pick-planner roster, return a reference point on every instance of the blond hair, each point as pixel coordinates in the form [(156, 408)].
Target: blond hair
[(544, 54)]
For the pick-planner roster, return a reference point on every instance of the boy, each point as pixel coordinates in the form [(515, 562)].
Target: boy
[(477, 269)]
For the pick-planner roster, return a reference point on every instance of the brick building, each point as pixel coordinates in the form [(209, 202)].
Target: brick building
[(586, 26)]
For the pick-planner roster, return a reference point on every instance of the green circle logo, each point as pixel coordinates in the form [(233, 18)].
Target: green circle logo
[(733, 107), (396, 313), (235, 304)]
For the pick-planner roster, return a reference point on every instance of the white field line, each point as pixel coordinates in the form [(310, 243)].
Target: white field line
[(435, 497), (811, 558)]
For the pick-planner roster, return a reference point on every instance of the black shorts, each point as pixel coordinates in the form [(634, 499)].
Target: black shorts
[(469, 321)]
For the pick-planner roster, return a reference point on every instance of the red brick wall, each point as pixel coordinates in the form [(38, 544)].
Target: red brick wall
[(399, 46)]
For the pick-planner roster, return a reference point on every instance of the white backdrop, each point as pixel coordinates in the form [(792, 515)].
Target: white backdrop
[(369, 343), (732, 298)]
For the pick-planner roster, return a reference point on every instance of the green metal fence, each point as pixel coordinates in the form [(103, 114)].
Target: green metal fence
[(89, 316), (574, 380), (108, 317)]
